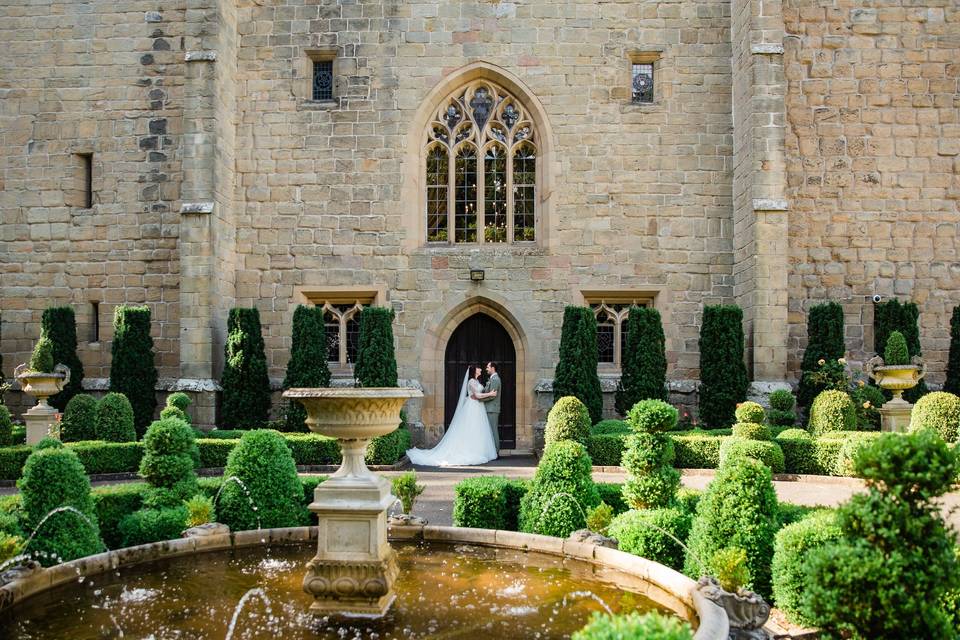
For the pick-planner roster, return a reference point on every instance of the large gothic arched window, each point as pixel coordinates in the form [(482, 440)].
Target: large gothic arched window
[(481, 169)]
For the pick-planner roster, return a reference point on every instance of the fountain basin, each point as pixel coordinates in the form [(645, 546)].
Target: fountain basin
[(588, 564)]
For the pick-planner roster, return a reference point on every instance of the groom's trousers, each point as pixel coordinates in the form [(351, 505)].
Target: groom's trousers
[(494, 419)]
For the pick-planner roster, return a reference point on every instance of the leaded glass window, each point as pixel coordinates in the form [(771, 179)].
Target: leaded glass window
[(491, 169), (612, 329), (642, 82), (342, 324), (323, 79)]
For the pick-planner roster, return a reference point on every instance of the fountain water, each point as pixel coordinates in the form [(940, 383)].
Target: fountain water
[(243, 487), (355, 567), (256, 591)]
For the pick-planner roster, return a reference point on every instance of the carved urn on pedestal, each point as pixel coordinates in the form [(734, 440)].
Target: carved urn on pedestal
[(895, 414), (41, 418), (355, 568)]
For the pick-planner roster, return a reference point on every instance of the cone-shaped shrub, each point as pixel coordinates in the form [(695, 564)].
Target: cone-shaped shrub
[(723, 374), (781, 409), (567, 420), (824, 342), (132, 371), (79, 419), (576, 372), (263, 463), (939, 411), (643, 360), (308, 361), (376, 364), (41, 360), (54, 478), (896, 559), (652, 481), (60, 325), (561, 493), (115, 419), (903, 317), (952, 383), (6, 427), (246, 386), (739, 509), (895, 353)]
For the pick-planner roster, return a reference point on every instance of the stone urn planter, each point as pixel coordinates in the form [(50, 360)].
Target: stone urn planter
[(895, 414), (747, 611), (354, 570), (41, 419)]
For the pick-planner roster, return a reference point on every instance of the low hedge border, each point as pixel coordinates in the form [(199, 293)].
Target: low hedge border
[(113, 502), (824, 456), (309, 450)]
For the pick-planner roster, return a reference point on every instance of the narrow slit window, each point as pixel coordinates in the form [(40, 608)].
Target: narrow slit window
[(642, 82), (86, 180), (95, 322), (323, 79)]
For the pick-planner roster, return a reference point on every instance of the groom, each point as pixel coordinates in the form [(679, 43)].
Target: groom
[(491, 398)]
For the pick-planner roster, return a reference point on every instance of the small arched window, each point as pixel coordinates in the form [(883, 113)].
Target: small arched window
[(481, 169)]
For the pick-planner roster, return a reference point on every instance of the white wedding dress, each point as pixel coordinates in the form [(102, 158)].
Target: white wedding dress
[(468, 440)]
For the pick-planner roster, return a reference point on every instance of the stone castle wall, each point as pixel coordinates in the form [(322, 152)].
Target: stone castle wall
[(795, 153)]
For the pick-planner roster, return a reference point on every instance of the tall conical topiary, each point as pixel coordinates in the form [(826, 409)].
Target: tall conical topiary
[(576, 373), (132, 371), (952, 383), (903, 317), (723, 374), (376, 364), (643, 360), (824, 342), (60, 325), (308, 361), (246, 386)]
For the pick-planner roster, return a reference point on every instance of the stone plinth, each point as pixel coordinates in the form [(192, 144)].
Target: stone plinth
[(355, 567), (895, 415), (41, 419)]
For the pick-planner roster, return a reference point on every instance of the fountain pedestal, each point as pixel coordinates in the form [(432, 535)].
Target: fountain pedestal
[(41, 419), (355, 567)]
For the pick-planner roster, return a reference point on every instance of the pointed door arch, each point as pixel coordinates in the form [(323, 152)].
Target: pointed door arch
[(477, 340)]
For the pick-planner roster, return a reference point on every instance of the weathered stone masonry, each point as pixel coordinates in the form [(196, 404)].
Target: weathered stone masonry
[(795, 152)]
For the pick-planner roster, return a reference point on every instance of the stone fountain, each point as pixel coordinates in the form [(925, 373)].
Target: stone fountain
[(355, 567)]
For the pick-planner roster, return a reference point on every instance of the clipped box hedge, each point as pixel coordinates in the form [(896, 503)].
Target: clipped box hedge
[(308, 449), (113, 502)]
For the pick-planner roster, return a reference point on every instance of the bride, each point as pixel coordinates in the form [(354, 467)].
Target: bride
[(468, 440)]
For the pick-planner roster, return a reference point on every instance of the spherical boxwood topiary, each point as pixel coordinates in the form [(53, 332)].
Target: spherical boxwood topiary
[(174, 412), (567, 420), (263, 463), (832, 410), (79, 420), (652, 416), (750, 412), (170, 455), (644, 533), (939, 411), (648, 626), (769, 453), (782, 400), (561, 493), (115, 419), (54, 478), (791, 548), (739, 509), (180, 400), (751, 431), (6, 427)]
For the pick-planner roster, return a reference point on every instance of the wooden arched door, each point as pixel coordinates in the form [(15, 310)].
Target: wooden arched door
[(478, 340)]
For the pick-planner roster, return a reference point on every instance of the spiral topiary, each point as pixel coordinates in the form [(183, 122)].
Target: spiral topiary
[(832, 410), (170, 456), (939, 411), (567, 420), (180, 400), (652, 481)]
